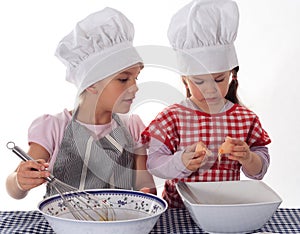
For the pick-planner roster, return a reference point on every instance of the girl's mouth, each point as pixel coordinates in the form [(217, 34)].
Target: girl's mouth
[(129, 100), (211, 99)]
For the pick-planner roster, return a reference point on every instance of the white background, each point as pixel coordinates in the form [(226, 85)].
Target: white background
[(32, 78)]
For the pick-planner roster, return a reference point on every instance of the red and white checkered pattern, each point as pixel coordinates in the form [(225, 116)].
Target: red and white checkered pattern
[(178, 127)]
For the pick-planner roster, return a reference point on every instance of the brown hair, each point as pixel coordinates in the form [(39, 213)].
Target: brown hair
[(233, 86)]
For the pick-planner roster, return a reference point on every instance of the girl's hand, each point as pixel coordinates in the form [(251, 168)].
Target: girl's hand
[(251, 162), (240, 151), (148, 190), (31, 174), (193, 160), (145, 190)]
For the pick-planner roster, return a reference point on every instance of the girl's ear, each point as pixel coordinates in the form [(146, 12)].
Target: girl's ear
[(92, 89)]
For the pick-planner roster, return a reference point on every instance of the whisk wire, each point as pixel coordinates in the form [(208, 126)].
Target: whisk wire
[(82, 200)]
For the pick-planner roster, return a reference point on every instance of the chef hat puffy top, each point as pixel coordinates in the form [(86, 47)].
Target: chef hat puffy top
[(203, 33), (98, 47)]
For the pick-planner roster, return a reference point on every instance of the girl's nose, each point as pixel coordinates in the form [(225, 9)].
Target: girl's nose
[(133, 88), (210, 87)]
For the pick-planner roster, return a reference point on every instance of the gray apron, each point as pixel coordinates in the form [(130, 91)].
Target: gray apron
[(86, 162)]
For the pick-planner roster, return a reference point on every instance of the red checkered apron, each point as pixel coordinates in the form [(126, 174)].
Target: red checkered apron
[(179, 126)]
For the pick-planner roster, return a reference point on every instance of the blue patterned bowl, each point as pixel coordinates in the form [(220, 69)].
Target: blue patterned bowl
[(135, 212)]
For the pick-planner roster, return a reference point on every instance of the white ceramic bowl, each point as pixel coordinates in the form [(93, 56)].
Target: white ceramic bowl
[(231, 206), (136, 212)]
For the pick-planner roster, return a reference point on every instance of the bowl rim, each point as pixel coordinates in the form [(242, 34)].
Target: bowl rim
[(163, 203), (277, 201), (234, 205)]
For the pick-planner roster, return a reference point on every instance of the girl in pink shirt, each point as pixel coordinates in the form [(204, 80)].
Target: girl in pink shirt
[(91, 146)]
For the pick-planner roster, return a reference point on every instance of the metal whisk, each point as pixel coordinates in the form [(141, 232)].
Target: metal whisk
[(81, 204)]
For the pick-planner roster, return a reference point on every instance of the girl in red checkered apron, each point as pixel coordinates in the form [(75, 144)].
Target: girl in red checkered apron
[(202, 34)]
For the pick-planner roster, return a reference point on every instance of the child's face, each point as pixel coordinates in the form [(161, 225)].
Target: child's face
[(117, 92), (209, 90)]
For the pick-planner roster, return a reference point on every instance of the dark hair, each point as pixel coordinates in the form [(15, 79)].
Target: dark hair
[(233, 86), (188, 93), (232, 91)]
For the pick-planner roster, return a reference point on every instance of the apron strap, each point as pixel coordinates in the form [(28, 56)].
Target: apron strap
[(85, 163), (114, 143)]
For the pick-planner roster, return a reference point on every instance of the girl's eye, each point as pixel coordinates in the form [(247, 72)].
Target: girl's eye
[(199, 82), (219, 80), (123, 80)]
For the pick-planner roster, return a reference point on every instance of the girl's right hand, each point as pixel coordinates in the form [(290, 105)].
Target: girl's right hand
[(31, 174), (193, 160)]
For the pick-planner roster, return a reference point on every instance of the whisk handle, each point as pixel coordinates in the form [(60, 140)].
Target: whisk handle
[(24, 156), (19, 152)]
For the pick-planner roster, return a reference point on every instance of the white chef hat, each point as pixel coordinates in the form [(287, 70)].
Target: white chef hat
[(203, 34), (98, 47)]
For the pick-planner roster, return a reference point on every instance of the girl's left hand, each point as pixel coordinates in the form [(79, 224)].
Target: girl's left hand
[(145, 190), (240, 151), (148, 190)]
